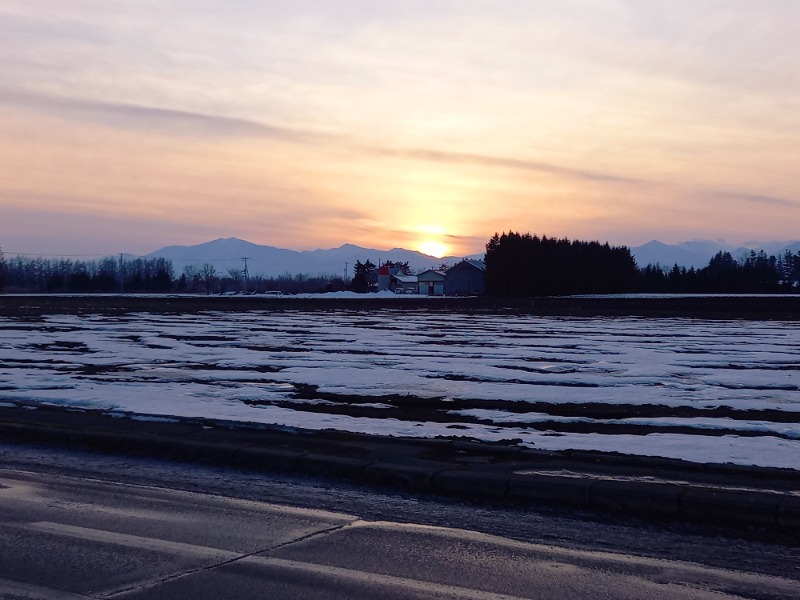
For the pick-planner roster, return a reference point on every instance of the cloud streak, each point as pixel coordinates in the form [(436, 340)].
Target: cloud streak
[(761, 199), (771, 200), (504, 163), (179, 122), (136, 117)]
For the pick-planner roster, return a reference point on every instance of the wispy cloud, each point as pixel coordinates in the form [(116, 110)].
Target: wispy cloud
[(173, 122), (772, 200), (503, 163), (180, 122), (759, 199)]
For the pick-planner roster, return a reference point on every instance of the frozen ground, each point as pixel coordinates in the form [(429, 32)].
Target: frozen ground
[(708, 391)]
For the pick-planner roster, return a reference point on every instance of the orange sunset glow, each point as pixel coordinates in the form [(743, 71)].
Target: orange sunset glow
[(427, 126), (433, 248)]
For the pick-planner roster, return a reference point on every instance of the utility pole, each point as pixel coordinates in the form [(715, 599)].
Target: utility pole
[(345, 271), (246, 274)]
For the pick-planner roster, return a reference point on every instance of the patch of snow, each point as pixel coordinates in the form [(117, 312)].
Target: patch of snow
[(152, 419), (236, 366)]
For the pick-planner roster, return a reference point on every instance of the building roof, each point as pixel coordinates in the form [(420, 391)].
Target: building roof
[(427, 274), (477, 264), (406, 278)]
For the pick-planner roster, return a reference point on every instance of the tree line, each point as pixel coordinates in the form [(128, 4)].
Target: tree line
[(517, 265), (523, 265), (22, 274), (206, 279), (756, 273)]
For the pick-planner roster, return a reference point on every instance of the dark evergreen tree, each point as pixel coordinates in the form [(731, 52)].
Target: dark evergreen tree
[(522, 265), (363, 277), (755, 273), (405, 269)]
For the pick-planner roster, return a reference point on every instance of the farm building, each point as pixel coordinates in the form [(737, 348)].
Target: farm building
[(431, 282), (386, 277), (466, 278), (393, 279), (405, 284)]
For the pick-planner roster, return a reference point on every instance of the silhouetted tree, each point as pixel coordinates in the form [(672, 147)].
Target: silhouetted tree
[(208, 275), (403, 266), (363, 276), (161, 281), (755, 273), (522, 265)]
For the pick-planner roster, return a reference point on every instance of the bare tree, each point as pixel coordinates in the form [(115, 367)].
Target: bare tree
[(208, 275)]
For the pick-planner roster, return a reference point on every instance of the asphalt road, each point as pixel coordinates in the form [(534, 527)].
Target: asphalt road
[(80, 525)]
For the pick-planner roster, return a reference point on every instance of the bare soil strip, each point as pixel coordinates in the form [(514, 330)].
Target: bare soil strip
[(709, 307)]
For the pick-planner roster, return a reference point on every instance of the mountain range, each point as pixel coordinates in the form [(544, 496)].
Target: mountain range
[(697, 253), (230, 253)]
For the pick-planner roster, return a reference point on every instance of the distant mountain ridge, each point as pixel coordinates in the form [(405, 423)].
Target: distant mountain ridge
[(697, 253), (229, 253)]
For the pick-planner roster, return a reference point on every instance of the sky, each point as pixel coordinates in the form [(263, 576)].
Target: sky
[(130, 125)]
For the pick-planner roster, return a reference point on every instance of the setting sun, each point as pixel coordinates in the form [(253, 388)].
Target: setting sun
[(433, 248)]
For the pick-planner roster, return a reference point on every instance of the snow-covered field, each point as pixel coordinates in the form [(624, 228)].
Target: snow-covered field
[(708, 391)]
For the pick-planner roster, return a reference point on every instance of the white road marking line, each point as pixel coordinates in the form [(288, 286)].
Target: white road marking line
[(367, 577), (179, 548), (133, 541), (21, 489), (35, 592)]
